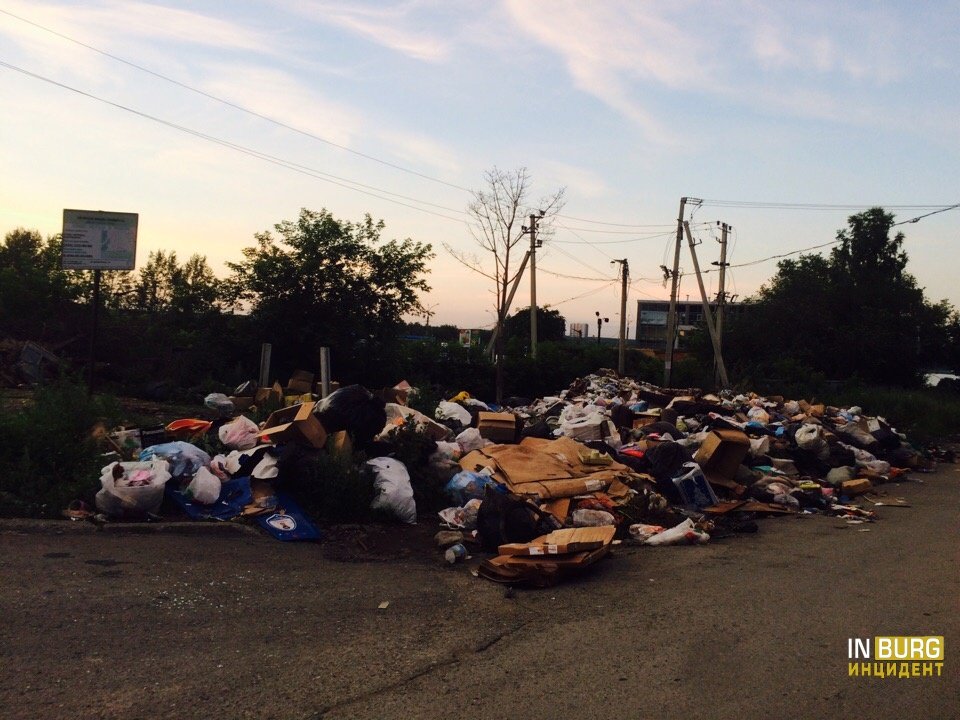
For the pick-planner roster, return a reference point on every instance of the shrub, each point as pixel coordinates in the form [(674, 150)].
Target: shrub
[(48, 456)]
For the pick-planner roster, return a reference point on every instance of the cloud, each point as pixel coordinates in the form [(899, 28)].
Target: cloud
[(387, 26), (579, 182)]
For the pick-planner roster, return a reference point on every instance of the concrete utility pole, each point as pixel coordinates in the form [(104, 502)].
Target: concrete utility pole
[(622, 354), (672, 314), (721, 292), (707, 315), (533, 285)]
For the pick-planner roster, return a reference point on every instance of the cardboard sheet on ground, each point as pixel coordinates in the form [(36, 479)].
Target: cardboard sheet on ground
[(563, 542)]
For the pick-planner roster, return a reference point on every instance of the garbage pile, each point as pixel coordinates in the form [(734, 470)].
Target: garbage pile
[(546, 487)]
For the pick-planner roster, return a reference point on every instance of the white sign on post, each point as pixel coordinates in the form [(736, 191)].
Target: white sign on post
[(94, 240)]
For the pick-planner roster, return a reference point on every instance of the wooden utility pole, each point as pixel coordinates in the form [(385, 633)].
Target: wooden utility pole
[(707, 314), (533, 285), (622, 354), (672, 315)]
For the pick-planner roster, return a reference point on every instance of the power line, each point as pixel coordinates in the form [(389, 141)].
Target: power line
[(759, 205), (612, 224), (775, 257), (583, 295), (233, 105), (921, 217), (302, 169), (575, 277)]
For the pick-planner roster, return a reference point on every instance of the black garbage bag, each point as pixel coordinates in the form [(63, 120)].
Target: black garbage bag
[(354, 409), (508, 518), (666, 462)]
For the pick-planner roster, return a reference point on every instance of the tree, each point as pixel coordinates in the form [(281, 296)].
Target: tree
[(857, 313), (33, 286), (499, 211), (165, 285), (551, 325), (327, 282)]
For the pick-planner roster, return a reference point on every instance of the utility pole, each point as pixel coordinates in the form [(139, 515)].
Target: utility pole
[(672, 315), (622, 354), (506, 309), (534, 244), (721, 292), (707, 315)]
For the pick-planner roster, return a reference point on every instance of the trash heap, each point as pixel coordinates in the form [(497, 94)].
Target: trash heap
[(659, 467), (544, 486)]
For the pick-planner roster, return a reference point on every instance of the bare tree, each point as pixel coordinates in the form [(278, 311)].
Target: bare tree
[(499, 212)]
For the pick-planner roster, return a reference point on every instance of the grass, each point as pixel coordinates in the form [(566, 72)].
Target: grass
[(926, 415)]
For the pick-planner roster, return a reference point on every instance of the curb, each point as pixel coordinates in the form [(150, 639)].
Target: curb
[(26, 526)]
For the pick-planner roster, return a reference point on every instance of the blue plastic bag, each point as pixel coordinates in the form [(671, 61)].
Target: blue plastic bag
[(184, 458), (467, 485)]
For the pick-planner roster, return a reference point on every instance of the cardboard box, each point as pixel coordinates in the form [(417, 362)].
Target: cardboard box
[(856, 487), (720, 455), (300, 382), (498, 427), (269, 396), (294, 424), (241, 403)]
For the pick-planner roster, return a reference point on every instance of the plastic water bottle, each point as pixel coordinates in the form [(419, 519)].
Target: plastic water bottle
[(455, 553)]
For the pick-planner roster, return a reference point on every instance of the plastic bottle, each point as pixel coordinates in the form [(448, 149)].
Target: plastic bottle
[(455, 553)]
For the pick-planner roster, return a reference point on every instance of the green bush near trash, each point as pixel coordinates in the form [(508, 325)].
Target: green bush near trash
[(48, 456)]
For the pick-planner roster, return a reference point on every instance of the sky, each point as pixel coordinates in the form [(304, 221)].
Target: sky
[(397, 109)]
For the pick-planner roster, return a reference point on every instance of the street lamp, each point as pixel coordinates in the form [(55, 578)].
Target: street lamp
[(600, 322)]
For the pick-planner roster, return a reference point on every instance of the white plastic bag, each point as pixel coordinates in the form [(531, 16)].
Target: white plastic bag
[(470, 439), (204, 488), (592, 518), (138, 489), (810, 437), (453, 411), (392, 481), (684, 533), (239, 434)]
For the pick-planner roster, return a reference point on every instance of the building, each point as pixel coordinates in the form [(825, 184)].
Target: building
[(652, 321)]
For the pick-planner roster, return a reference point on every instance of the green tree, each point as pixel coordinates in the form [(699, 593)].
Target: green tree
[(857, 313), (165, 285), (33, 286), (321, 281), (551, 325)]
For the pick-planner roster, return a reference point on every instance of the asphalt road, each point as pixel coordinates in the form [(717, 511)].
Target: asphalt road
[(230, 624)]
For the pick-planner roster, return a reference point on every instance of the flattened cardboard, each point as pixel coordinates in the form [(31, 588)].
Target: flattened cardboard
[(562, 542), (856, 487), (295, 424)]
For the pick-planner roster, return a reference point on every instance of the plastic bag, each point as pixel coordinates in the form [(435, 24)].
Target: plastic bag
[(204, 488), (219, 402), (132, 488), (470, 439), (464, 517), (810, 437), (468, 485), (395, 494), (453, 411), (684, 533), (184, 458), (641, 532), (239, 434), (354, 409), (592, 518)]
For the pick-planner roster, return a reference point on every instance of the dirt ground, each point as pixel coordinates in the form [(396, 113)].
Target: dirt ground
[(194, 621)]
